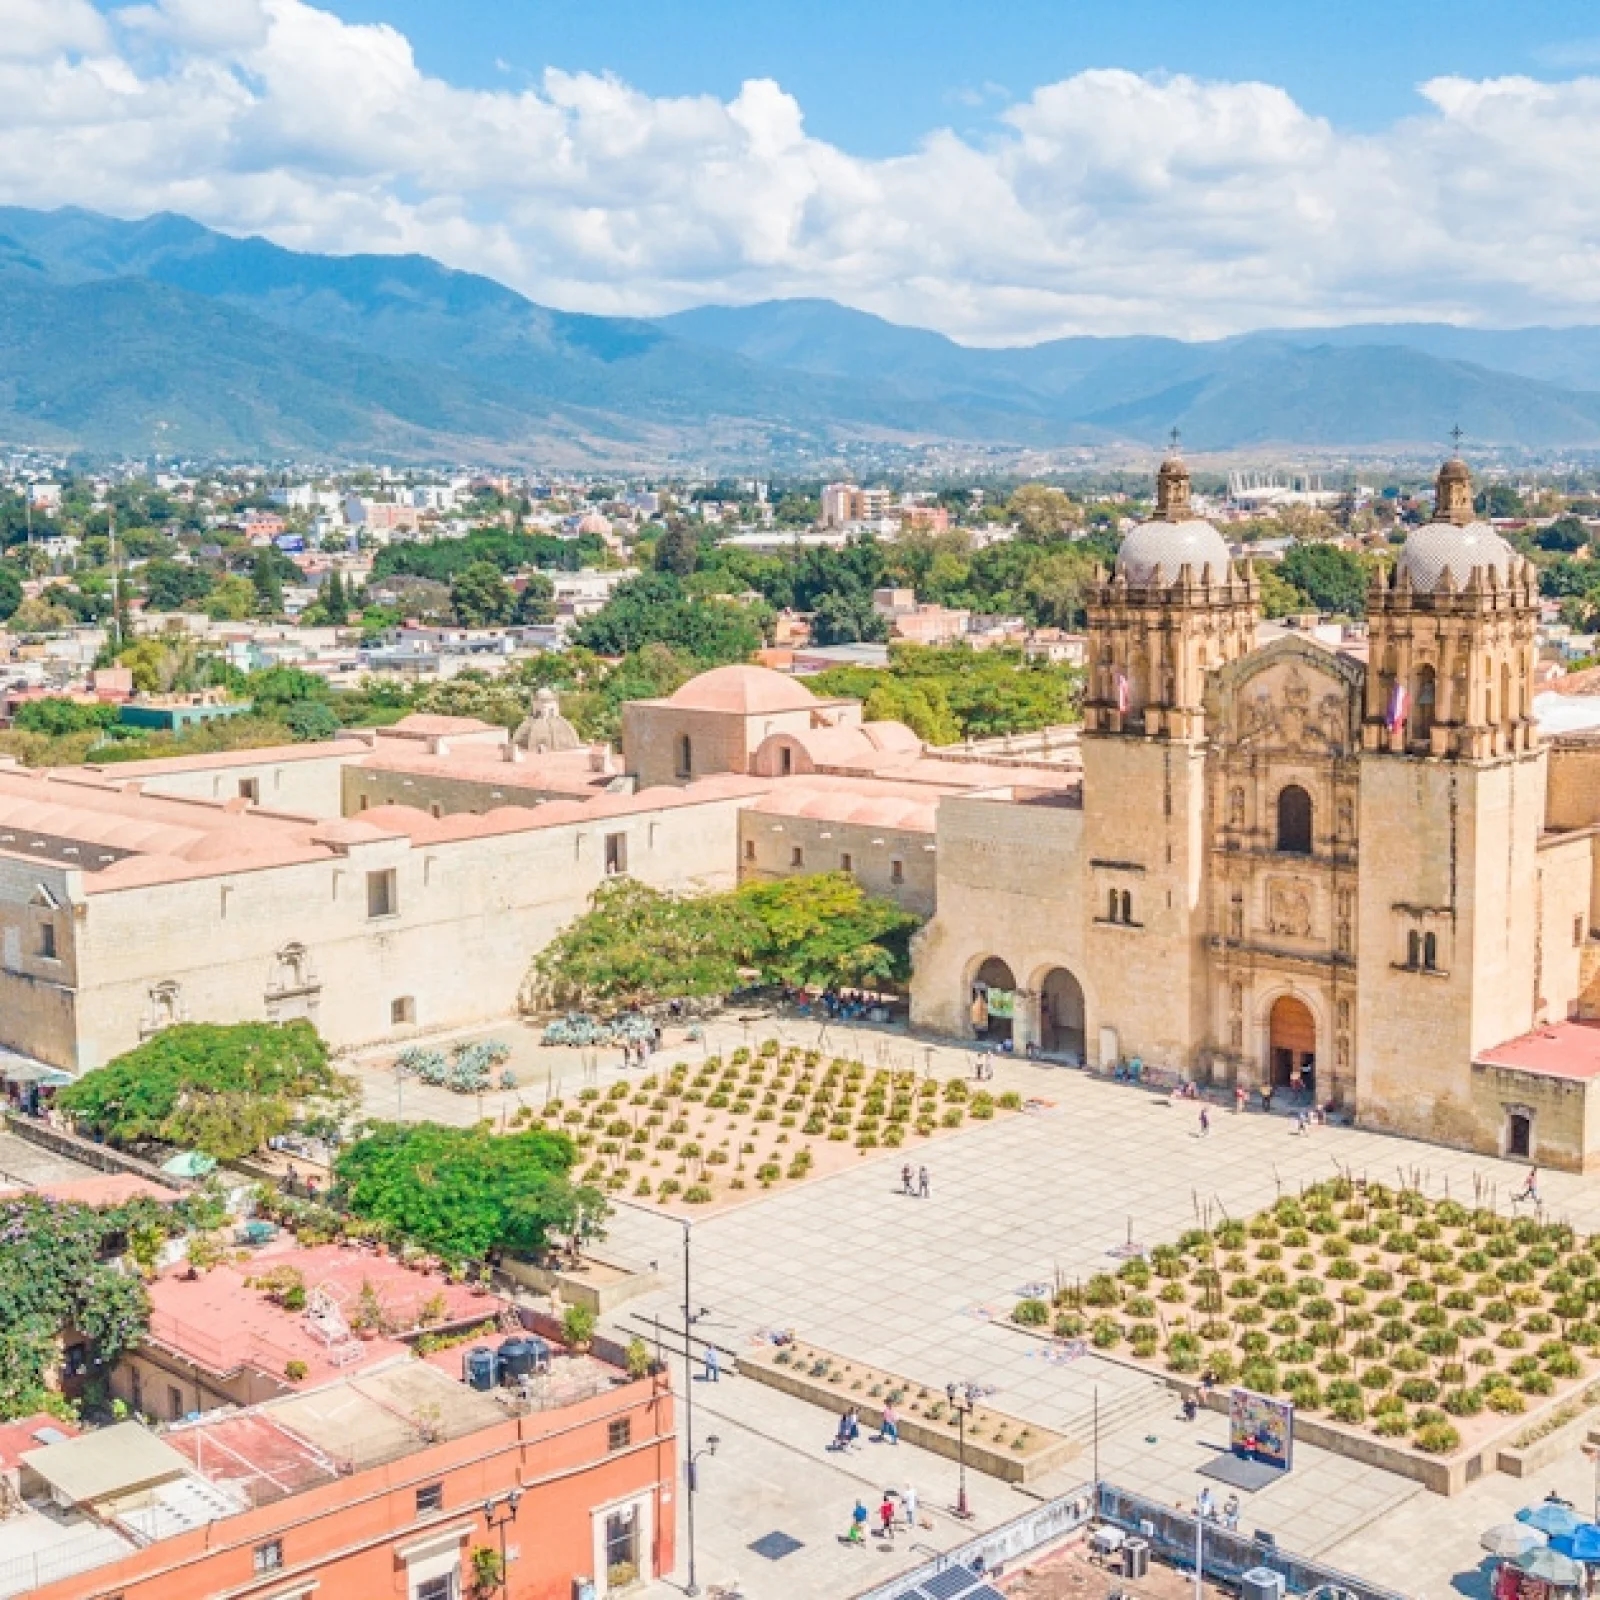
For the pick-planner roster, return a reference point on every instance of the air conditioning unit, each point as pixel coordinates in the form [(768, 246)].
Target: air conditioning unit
[(1136, 1559), (1261, 1583)]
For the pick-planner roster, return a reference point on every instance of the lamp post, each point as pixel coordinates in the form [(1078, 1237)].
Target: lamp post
[(690, 1455), (963, 1402), (498, 1515)]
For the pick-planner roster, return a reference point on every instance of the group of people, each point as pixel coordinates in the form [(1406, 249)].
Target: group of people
[(1207, 1510), (846, 1005), (847, 1436), (918, 1185), (636, 1052), (898, 1506)]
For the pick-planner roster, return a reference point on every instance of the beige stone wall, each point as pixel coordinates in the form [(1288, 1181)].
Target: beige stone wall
[(1447, 848), (1566, 949), (719, 741), (449, 793), (38, 1013), (1011, 884), (1565, 1114), (471, 916), (308, 786), (1144, 834), (1574, 784), (767, 844)]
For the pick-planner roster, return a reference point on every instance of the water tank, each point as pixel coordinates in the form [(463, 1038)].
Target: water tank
[(540, 1352), (1261, 1583), (1136, 1558), (517, 1357), (480, 1367)]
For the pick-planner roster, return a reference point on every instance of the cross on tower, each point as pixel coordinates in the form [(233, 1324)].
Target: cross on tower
[(1456, 437), (1173, 437)]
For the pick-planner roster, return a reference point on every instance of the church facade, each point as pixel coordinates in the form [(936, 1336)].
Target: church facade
[(1358, 873)]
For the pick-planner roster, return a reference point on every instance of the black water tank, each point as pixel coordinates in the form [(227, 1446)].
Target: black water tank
[(517, 1357), (480, 1367), (539, 1350)]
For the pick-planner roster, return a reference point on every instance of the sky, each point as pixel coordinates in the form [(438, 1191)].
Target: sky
[(1003, 172)]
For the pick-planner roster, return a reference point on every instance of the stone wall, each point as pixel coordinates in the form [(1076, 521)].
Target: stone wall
[(767, 844)]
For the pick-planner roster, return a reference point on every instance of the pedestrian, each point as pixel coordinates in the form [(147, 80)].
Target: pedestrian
[(906, 1186), (922, 1182), (908, 1504), (852, 1419), (1530, 1188), (1206, 1506), (889, 1432), (290, 1181), (1205, 1121), (1302, 1123), (1240, 1096), (713, 1365), (858, 1524), (1230, 1512), (1266, 1097), (886, 1515), (1191, 1408)]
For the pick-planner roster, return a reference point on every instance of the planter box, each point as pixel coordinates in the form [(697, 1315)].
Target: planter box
[(1045, 1452)]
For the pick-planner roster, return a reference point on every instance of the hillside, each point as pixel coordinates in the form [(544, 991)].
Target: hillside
[(161, 334)]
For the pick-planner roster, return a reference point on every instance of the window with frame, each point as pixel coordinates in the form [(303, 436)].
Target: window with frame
[(250, 789), (269, 1556), (749, 849), (383, 893), (897, 871), (619, 1433), (847, 862), (797, 856), (616, 854), (441, 1588), (47, 941), (430, 1497), (403, 1010)]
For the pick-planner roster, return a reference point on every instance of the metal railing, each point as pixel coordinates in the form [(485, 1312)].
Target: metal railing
[(23, 1574)]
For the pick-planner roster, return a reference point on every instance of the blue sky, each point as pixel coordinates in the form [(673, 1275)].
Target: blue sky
[(1003, 173), (875, 75)]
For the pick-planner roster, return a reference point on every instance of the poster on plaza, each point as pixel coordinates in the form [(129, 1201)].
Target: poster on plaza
[(1261, 1428)]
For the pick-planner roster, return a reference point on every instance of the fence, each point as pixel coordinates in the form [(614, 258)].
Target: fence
[(21, 1575), (1224, 1554), (1009, 1542)]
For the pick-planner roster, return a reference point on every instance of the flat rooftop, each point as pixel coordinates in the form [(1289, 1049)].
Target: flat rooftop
[(1557, 1050)]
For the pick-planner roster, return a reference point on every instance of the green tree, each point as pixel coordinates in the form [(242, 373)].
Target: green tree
[(272, 690), (677, 550), (1566, 534), (268, 581), (1042, 512), (171, 587), (223, 1089), (480, 597), (335, 601), (923, 707), (464, 1192), (655, 609), (232, 600), (847, 617), (311, 721), (536, 603), (57, 715), (1334, 579)]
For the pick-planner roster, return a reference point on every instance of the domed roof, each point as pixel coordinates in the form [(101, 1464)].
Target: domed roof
[(1440, 547), (1154, 552), (743, 690)]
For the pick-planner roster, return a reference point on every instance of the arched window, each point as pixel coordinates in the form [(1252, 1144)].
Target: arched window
[(1127, 906), (1430, 952), (1116, 907), (1427, 698), (1294, 820), (685, 756), (1414, 949)]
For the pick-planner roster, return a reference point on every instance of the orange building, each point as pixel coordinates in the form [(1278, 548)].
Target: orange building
[(402, 1482)]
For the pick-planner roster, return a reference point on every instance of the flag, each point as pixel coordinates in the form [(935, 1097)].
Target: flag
[(1122, 693), (1399, 707)]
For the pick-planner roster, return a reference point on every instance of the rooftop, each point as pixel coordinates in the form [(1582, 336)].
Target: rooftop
[(1557, 1050), (744, 691)]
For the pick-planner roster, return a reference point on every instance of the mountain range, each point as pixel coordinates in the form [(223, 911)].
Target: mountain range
[(160, 335)]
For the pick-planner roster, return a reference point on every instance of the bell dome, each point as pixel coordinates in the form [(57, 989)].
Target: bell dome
[(1156, 551), (1453, 542)]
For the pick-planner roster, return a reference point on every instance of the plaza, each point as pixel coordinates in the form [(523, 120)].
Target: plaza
[(925, 1287)]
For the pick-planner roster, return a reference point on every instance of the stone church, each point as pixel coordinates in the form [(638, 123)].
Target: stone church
[(1354, 870)]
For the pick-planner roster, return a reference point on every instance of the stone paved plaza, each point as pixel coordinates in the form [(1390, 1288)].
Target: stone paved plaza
[(924, 1288)]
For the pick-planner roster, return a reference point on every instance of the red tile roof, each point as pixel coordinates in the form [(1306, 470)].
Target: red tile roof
[(1557, 1050)]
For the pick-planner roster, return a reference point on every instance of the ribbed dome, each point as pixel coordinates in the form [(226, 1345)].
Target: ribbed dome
[(1155, 551), (1441, 547)]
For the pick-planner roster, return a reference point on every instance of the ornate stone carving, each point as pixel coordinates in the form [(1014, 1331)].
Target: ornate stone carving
[(1289, 908)]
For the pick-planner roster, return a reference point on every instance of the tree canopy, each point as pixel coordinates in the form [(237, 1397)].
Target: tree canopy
[(654, 608), (222, 1089), (463, 1192), (636, 944)]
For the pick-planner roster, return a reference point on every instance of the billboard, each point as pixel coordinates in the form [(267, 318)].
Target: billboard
[(1261, 1428)]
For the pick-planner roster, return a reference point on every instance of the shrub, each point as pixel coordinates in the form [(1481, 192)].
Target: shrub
[(1438, 1438), (1420, 1391), (1504, 1399), (1392, 1424), (1348, 1410), (1030, 1313), (1106, 1333), (697, 1194)]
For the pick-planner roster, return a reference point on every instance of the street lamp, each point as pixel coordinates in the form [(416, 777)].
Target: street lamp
[(498, 1515), (690, 1454), (963, 1402)]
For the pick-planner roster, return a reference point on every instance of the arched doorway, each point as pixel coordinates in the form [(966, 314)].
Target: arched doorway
[(1292, 1042), (993, 1001), (1061, 1028)]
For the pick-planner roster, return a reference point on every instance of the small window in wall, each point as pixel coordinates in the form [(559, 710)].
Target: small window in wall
[(430, 1497), (383, 893), (174, 1402), (847, 862), (435, 809), (1413, 949), (403, 1010), (440, 1588), (619, 1434), (363, 801), (1430, 952), (749, 849), (897, 871), (785, 761), (797, 857), (269, 1556), (616, 854), (47, 940), (685, 756), (250, 789)]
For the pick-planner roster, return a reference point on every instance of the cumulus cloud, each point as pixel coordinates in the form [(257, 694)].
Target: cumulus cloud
[(1108, 202)]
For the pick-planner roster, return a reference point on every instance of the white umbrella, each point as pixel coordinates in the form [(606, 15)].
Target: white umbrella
[(1509, 1539)]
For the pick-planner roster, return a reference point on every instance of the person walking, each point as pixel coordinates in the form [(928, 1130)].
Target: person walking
[(858, 1525), (889, 1433), (1240, 1096), (1205, 1121), (922, 1183), (713, 1365), (906, 1184), (886, 1515), (1530, 1188), (908, 1504)]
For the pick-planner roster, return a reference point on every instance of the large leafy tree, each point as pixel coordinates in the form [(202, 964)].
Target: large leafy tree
[(1334, 580), (480, 597), (654, 608), (464, 1192), (223, 1089)]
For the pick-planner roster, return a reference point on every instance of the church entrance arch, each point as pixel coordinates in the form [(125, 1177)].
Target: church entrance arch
[(1061, 1026), (992, 1002), (1292, 1043)]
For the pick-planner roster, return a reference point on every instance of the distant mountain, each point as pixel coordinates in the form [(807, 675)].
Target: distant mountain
[(164, 335)]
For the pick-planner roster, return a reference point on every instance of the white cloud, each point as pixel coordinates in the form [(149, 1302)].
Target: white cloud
[(1107, 202)]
